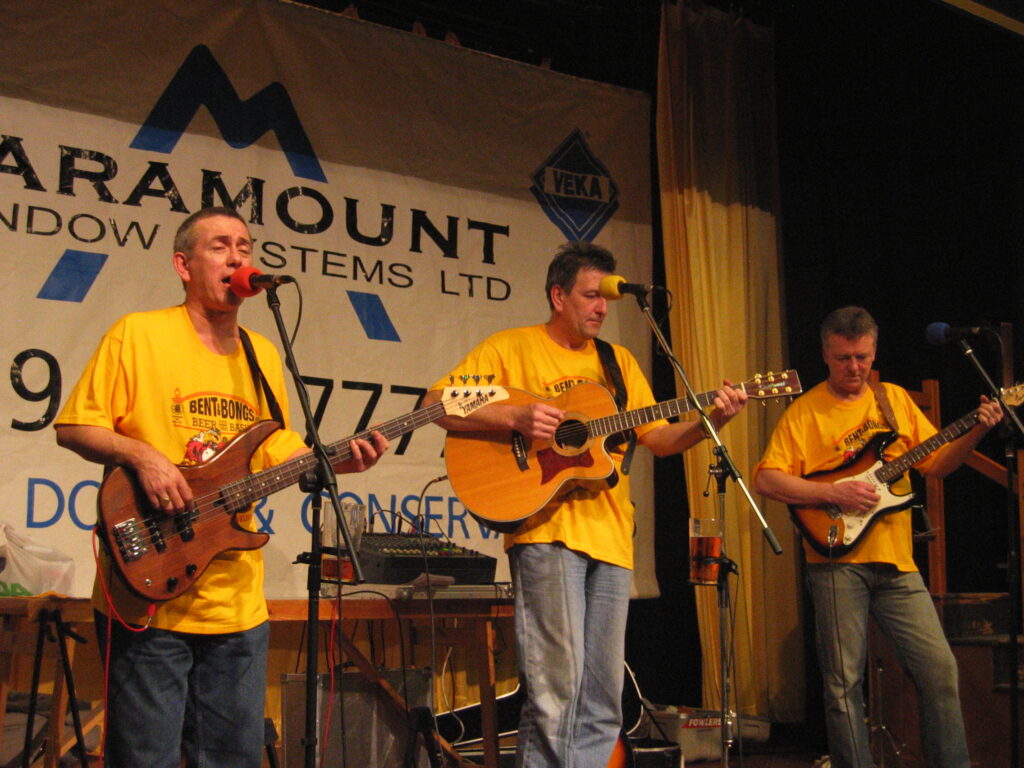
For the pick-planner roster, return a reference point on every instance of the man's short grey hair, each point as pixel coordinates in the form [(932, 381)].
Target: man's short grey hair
[(849, 322)]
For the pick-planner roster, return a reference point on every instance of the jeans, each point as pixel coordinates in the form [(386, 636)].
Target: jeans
[(844, 594), (570, 617), (173, 694)]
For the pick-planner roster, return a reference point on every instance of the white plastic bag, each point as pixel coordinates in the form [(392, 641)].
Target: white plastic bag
[(31, 568)]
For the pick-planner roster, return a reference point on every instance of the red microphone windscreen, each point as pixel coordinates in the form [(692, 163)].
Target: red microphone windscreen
[(240, 282)]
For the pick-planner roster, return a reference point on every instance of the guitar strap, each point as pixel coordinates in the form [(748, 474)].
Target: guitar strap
[(614, 375), (884, 405), (259, 379)]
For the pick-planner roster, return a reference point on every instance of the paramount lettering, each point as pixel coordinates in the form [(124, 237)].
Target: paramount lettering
[(94, 174)]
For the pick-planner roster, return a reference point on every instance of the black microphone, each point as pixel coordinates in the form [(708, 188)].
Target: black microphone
[(942, 333), (248, 281), (615, 287)]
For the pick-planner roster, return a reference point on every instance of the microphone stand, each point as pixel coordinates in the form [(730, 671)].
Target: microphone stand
[(313, 482), (725, 469), (1012, 429), (725, 567), (728, 467)]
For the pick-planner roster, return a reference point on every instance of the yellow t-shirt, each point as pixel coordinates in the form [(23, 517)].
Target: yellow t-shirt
[(153, 379), (597, 524), (820, 432)]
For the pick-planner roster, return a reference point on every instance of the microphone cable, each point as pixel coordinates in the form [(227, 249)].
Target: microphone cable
[(833, 533)]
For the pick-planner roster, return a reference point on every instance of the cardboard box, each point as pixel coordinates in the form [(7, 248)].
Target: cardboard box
[(698, 731)]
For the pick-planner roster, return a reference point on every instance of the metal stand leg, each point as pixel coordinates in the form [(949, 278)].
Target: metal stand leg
[(726, 566), (877, 721), (64, 631)]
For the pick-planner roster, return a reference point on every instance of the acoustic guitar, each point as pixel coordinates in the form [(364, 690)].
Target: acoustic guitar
[(160, 555), (833, 531), (503, 477)]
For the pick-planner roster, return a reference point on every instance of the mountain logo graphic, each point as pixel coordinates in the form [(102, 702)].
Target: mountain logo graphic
[(202, 82)]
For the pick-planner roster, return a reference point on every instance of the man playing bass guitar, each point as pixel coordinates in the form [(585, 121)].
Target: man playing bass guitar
[(187, 675), (827, 429)]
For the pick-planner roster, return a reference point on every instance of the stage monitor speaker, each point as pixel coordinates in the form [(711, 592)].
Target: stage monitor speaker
[(374, 731)]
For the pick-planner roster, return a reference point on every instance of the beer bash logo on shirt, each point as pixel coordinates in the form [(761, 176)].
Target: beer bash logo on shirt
[(564, 385), (212, 418), (853, 443)]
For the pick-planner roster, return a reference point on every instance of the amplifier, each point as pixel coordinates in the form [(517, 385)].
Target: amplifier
[(365, 726), (398, 558)]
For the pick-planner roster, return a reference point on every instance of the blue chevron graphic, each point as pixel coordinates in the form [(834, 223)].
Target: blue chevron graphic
[(73, 276), (201, 81), (371, 313)]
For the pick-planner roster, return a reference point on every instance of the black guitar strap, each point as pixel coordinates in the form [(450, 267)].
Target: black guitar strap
[(259, 379), (614, 375)]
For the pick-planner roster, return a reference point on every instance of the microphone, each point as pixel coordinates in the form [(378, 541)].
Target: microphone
[(615, 287), (941, 333), (248, 281)]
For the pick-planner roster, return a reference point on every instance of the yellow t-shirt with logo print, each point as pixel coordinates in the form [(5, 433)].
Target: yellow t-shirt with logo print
[(600, 524), (153, 379), (821, 432)]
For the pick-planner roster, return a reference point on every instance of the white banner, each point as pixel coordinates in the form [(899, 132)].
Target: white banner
[(415, 190)]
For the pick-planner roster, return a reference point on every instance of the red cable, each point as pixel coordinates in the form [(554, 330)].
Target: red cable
[(110, 632)]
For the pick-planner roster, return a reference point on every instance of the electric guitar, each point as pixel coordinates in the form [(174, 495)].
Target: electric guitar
[(160, 555), (503, 477), (832, 531)]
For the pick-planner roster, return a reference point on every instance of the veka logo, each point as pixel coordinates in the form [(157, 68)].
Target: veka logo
[(575, 190), (202, 82)]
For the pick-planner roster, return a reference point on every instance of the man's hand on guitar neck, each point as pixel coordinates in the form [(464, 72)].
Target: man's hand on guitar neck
[(364, 453), (989, 414), (729, 401)]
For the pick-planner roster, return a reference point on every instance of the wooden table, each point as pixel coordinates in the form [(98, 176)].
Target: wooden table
[(19, 633), (19, 618)]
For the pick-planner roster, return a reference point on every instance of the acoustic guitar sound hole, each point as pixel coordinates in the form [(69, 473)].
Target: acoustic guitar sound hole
[(571, 434)]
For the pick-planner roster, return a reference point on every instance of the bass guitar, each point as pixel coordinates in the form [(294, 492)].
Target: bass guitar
[(160, 555), (503, 477), (833, 531)]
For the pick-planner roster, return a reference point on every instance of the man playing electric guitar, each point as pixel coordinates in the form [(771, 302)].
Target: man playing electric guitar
[(822, 430), (187, 676), (571, 562)]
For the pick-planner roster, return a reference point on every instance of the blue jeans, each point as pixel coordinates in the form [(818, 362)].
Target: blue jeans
[(174, 694), (570, 635), (844, 595)]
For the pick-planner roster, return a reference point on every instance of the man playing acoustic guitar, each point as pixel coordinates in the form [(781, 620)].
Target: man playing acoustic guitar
[(187, 675), (571, 560), (862, 561)]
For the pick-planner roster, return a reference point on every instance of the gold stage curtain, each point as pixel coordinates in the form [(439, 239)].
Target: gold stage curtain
[(717, 164)]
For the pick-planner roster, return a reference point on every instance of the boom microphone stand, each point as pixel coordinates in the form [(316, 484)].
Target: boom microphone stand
[(315, 482), (725, 567), (1013, 433), (727, 469)]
